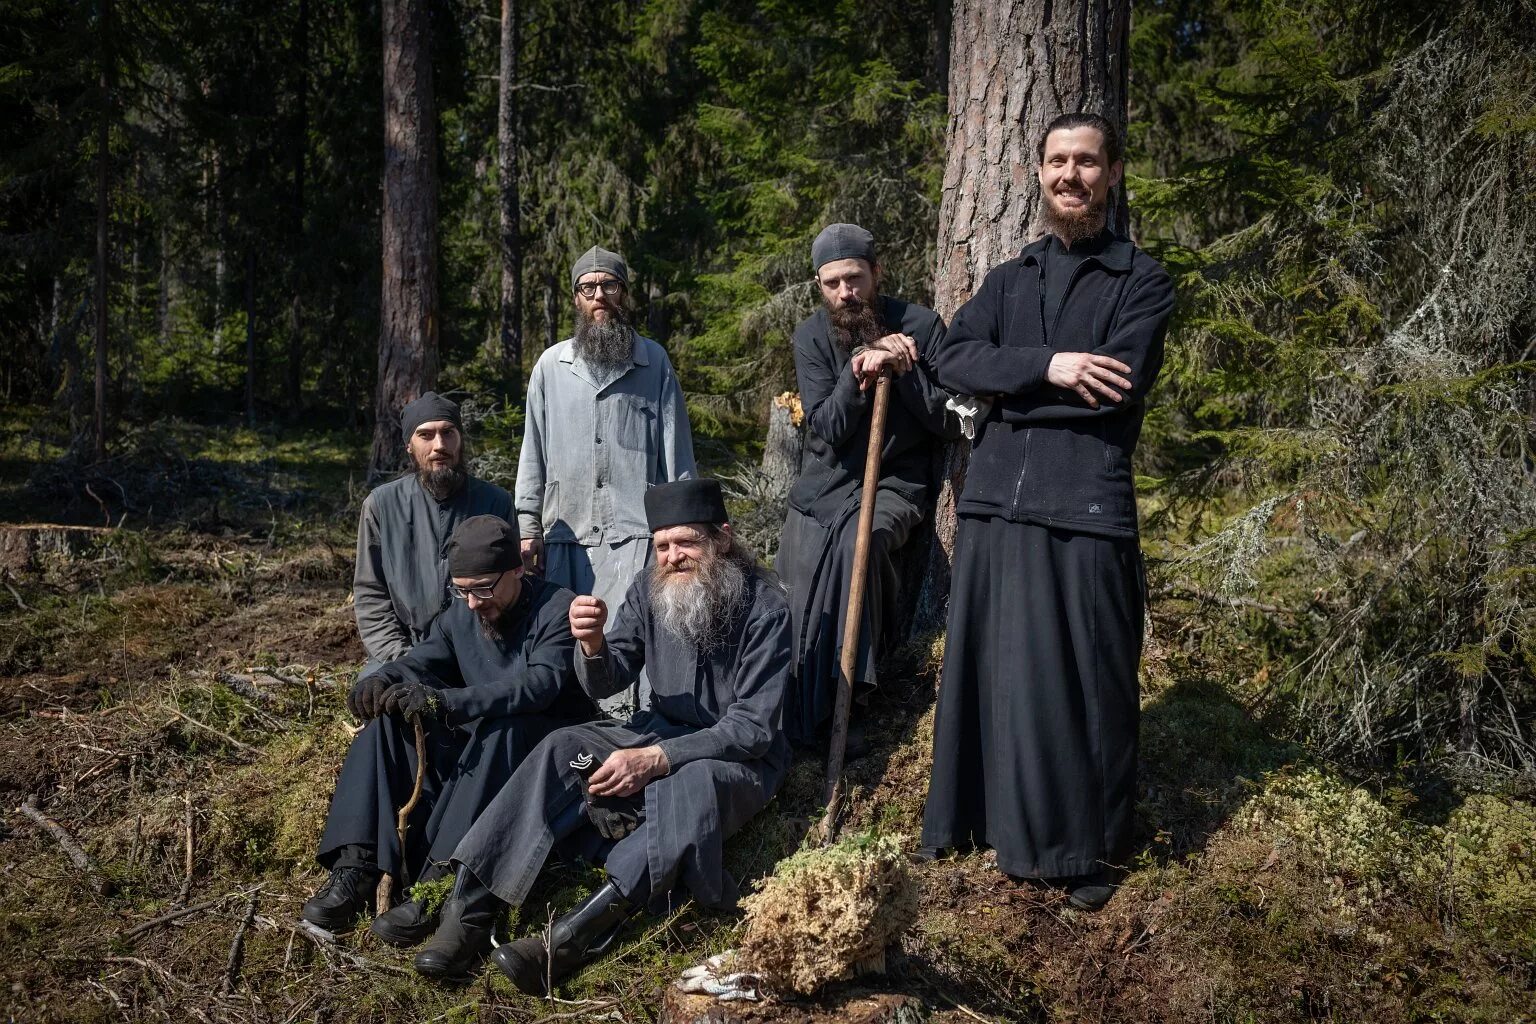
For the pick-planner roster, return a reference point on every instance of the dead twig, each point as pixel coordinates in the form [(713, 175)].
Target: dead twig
[(237, 946), (226, 737), (326, 943), (186, 880), (155, 922), (77, 855)]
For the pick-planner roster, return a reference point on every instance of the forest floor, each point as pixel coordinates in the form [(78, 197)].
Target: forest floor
[(184, 673)]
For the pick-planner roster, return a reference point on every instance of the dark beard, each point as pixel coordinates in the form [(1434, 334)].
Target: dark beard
[(1079, 225), (700, 610), (855, 324), (490, 628), (442, 482), (607, 345)]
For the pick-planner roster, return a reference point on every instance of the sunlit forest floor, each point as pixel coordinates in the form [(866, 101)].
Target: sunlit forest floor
[(188, 671)]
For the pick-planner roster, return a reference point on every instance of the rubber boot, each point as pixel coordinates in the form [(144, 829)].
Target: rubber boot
[(464, 935), (575, 940)]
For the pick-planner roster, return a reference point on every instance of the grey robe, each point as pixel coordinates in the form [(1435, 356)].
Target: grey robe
[(593, 442), (400, 582), (716, 716)]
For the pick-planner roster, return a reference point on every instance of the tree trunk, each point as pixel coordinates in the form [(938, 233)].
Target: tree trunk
[(408, 310), (1014, 65), (250, 335), (300, 141), (785, 444), (511, 222), (103, 156), (551, 310)]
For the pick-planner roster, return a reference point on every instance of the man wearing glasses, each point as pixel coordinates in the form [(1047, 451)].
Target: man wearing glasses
[(491, 679), (605, 421)]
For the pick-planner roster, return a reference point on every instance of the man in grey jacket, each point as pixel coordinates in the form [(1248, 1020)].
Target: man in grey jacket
[(605, 421), (400, 582)]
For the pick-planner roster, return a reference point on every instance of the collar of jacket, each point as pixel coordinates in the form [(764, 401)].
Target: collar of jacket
[(637, 357), (1115, 254)]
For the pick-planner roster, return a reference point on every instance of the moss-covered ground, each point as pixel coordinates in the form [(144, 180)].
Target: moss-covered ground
[(191, 667)]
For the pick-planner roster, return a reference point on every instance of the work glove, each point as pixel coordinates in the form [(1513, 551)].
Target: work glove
[(410, 699), (365, 700), (614, 817)]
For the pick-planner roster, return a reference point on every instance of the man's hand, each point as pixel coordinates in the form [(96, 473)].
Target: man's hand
[(1088, 374), (533, 553), (901, 345), (365, 700), (870, 363), (588, 615), (626, 772), (409, 699)]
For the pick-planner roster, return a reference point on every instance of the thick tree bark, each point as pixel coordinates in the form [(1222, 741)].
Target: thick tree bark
[(408, 310), (1014, 65), (103, 158), (298, 145), (511, 222)]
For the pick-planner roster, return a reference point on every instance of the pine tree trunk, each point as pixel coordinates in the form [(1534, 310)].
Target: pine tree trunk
[(103, 157), (295, 368), (250, 336), (1014, 65), (408, 310), (511, 223)]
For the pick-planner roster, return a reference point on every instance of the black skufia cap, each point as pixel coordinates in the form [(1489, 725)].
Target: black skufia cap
[(429, 408), (685, 501), (482, 546)]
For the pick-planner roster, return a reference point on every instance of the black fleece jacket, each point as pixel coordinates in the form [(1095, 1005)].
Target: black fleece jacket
[(1043, 456)]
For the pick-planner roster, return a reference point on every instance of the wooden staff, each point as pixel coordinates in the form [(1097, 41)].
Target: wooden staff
[(386, 889), (850, 654)]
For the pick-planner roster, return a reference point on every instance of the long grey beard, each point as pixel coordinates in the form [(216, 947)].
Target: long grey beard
[(702, 609), (443, 482), (1072, 228), (604, 346)]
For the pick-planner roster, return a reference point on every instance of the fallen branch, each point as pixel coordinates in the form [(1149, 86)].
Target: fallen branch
[(210, 729), (196, 908), (186, 880), (237, 946), (326, 943), (77, 855)]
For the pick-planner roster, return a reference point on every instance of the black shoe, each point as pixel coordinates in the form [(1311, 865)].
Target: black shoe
[(464, 936), (574, 941), (406, 925), (342, 899), (1091, 892)]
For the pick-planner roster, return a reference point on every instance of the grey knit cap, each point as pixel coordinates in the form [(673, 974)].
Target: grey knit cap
[(598, 258), (842, 242)]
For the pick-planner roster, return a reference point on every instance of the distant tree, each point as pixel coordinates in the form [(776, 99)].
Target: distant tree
[(408, 315), (1013, 66), (511, 247), (103, 216)]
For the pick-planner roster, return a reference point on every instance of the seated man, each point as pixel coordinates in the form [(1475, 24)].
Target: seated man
[(492, 678), (712, 631)]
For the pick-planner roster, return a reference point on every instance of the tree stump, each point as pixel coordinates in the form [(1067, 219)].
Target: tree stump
[(24, 545), (785, 442), (854, 1006)]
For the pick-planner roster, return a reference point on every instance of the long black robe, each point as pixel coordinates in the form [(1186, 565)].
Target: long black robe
[(815, 558), (717, 716), (498, 699)]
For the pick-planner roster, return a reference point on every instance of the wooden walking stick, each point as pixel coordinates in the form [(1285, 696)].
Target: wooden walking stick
[(386, 889), (850, 654)]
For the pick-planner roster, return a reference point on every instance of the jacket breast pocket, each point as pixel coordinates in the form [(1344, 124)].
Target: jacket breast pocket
[(634, 423)]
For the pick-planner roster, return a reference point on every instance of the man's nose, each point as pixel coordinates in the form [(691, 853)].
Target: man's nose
[(474, 601)]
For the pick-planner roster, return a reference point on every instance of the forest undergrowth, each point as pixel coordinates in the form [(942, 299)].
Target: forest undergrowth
[(188, 678)]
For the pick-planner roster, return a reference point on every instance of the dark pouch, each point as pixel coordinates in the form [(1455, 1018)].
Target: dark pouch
[(614, 817)]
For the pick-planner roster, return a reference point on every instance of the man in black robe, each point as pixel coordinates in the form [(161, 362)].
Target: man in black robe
[(492, 677), (652, 799), (1034, 748), (839, 351)]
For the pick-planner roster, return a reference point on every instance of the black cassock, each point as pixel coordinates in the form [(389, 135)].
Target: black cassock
[(1035, 736), (717, 716), (815, 558), (498, 699)]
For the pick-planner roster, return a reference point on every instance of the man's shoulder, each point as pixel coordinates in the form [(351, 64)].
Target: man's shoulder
[(483, 493), (910, 317), (1145, 265), (552, 355), (768, 595), (392, 493), (655, 352), (547, 596), (811, 328)]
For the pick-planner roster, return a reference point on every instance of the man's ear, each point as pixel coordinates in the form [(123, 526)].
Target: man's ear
[(1116, 173)]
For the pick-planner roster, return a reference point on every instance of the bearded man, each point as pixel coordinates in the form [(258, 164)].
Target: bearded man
[(398, 585), (1034, 747), (652, 799), (605, 420), (492, 678), (839, 351)]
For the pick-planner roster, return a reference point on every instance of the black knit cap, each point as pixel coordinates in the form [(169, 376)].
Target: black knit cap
[(429, 408), (683, 502), (483, 546)]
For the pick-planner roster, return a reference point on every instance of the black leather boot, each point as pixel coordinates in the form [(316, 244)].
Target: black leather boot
[(406, 925), (347, 894), (464, 935), (574, 941)]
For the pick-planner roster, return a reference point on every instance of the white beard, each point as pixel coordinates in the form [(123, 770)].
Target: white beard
[(701, 608)]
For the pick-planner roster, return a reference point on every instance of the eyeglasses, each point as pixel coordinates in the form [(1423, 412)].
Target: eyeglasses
[(483, 593), (610, 287)]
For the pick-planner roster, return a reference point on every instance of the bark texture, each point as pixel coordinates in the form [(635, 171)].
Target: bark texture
[(408, 310), (1014, 65), (511, 220), (103, 163)]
